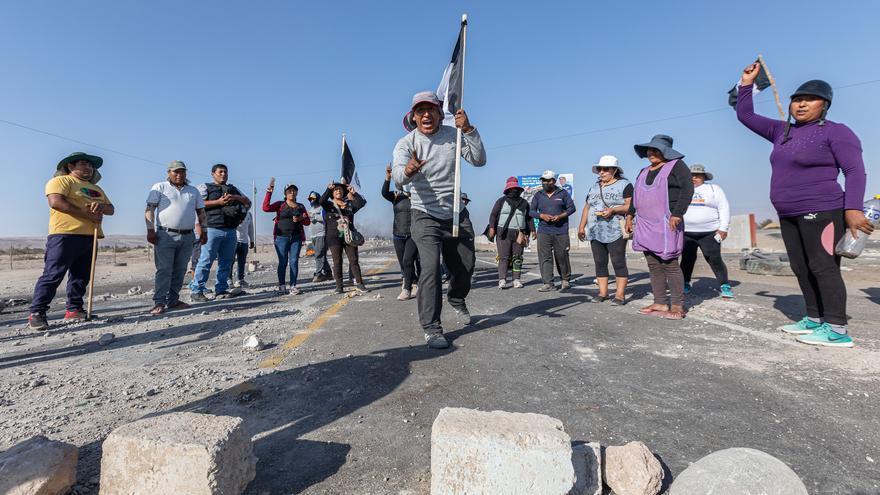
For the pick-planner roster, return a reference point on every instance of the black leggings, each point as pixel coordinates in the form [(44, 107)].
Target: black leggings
[(810, 240), (336, 246), (617, 251), (711, 251), (408, 258)]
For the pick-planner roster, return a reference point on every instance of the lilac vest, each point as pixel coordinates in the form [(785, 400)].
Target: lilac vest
[(651, 232)]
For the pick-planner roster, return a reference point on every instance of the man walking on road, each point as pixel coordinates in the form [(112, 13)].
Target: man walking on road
[(76, 208), (317, 231), (225, 207), (553, 206), (171, 233), (425, 159)]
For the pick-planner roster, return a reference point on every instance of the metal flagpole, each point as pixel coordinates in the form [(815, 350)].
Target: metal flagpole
[(773, 85), (254, 213), (456, 200)]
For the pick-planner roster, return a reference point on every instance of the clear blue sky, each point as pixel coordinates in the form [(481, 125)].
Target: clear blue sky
[(268, 88)]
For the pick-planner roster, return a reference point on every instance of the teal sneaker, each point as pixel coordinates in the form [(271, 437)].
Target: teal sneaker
[(687, 288), (803, 327), (726, 291), (824, 335)]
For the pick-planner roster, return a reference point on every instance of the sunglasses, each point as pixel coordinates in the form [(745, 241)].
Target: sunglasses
[(606, 169)]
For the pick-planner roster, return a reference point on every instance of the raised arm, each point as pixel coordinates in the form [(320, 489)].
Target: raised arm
[(386, 190)]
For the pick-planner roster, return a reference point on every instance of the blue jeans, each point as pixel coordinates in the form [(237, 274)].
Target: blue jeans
[(287, 248), (171, 255), (221, 247)]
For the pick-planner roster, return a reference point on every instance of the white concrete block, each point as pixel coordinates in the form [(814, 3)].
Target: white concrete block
[(186, 453), (38, 466), (475, 452)]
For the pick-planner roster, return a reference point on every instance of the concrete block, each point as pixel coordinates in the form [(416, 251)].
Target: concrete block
[(38, 466), (738, 470), (633, 470), (475, 452), (195, 454), (587, 461)]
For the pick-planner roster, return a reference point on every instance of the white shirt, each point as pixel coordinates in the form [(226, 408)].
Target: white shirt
[(709, 210), (177, 207), (245, 231)]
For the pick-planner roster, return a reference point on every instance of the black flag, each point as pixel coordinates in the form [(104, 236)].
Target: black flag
[(450, 88), (347, 162), (762, 82)]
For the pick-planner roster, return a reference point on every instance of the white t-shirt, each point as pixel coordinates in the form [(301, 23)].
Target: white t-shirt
[(177, 207), (709, 210), (244, 233)]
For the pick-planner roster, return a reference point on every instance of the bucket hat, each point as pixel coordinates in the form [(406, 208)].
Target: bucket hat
[(96, 161), (607, 161), (699, 168), (660, 142), (512, 183)]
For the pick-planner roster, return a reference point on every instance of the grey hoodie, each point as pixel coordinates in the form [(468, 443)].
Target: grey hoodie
[(432, 187)]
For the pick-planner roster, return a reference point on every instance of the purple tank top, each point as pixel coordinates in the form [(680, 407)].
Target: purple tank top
[(651, 232)]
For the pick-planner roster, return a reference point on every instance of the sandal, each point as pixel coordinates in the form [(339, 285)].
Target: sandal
[(618, 302), (157, 310), (599, 299), (673, 315), (650, 311)]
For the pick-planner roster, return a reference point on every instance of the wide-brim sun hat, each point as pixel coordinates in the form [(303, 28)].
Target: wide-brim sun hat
[(96, 161), (512, 183), (607, 161), (699, 168), (663, 144)]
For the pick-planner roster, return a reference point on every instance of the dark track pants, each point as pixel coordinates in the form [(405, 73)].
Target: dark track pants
[(810, 240), (554, 247), (408, 258), (711, 249), (66, 254)]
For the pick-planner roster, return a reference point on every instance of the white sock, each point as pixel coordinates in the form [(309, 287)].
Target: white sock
[(817, 321), (841, 329)]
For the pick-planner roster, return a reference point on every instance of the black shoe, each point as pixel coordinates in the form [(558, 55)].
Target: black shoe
[(436, 341), (463, 315), (223, 295), (618, 302), (198, 297), (37, 321), (362, 288), (339, 290)]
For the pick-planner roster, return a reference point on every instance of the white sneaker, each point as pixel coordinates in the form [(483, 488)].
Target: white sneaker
[(415, 290), (517, 284), (502, 284), (294, 291), (404, 295)]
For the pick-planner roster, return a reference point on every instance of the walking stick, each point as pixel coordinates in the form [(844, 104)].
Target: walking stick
[(92, 273), (773, 85)]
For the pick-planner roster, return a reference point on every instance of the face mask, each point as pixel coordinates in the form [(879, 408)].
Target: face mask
[(548, 186), (513, 193), (315, 203)]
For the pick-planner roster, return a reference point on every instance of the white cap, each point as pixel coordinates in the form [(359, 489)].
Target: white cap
[(549, 174), (607, 161)]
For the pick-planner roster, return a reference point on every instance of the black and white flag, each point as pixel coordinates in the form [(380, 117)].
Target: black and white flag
[(762, 82), (450, 88), (347, 163)]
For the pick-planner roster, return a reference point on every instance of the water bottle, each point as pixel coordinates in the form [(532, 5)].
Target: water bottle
[(851, 247)]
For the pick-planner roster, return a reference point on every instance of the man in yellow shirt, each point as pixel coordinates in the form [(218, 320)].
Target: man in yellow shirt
[(76, 208)]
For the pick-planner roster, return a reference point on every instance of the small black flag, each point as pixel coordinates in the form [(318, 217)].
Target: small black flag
[(762, 82), (347, 163)]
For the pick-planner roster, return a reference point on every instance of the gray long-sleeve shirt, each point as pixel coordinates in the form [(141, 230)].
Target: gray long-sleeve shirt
[(433, 187)]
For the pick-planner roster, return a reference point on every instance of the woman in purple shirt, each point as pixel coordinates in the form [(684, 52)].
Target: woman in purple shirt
[(808, 155)]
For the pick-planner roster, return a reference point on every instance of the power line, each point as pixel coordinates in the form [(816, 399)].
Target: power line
[(503, 146)]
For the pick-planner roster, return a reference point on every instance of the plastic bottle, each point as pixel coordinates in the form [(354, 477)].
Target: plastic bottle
[(851, 247)]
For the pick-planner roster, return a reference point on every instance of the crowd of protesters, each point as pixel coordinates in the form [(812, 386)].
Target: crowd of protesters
[(668, 210)]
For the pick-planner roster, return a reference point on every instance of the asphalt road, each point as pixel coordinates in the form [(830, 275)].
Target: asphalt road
[(352, 406)]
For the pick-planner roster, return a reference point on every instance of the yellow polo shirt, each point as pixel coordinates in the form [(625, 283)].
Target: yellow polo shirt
[(79, 193)]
